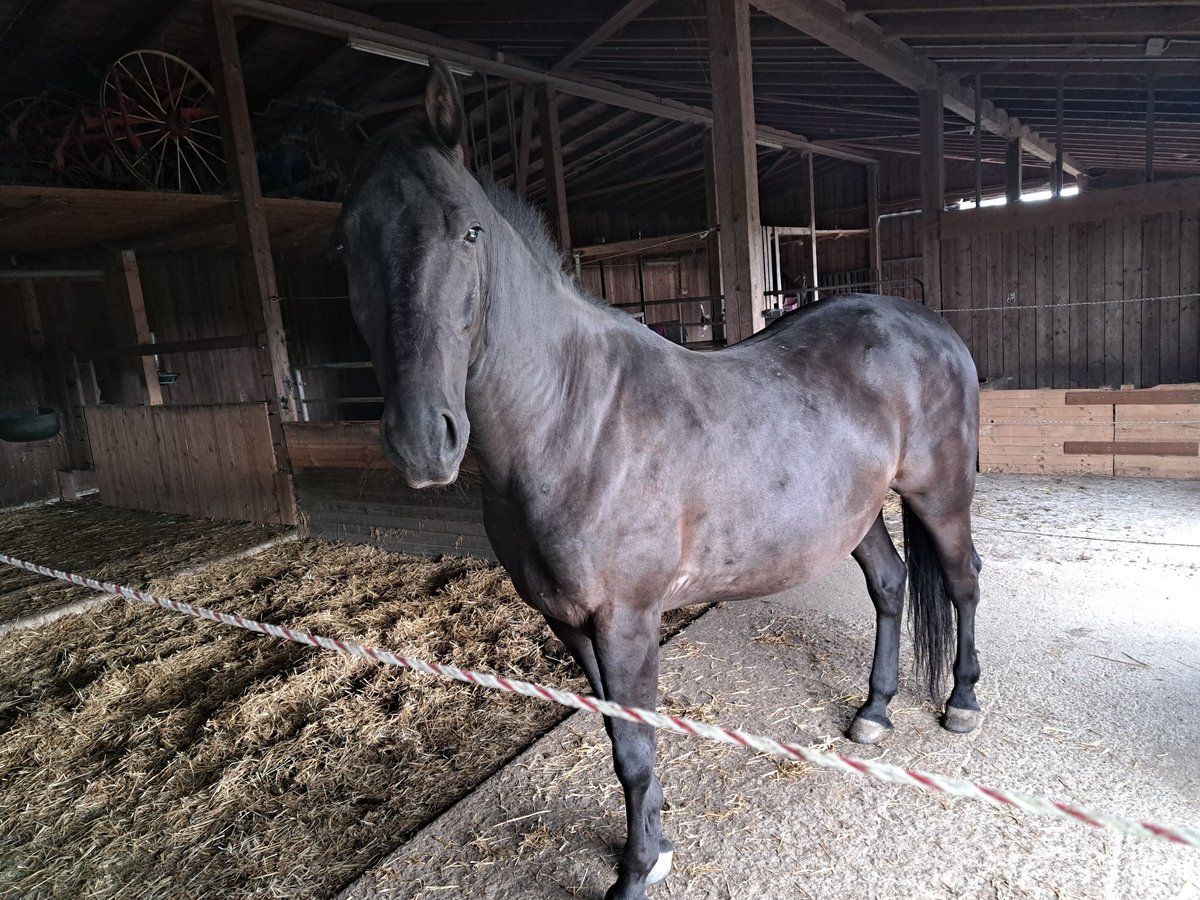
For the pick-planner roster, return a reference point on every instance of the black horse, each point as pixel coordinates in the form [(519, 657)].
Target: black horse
[(624, 475)]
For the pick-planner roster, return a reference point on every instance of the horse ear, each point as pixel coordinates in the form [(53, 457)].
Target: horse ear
[(443, 105)]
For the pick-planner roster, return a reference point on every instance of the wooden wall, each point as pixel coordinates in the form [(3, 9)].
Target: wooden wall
[(1153, 432), (347, 491), (190, 296), (1023, 277), (208, 461)]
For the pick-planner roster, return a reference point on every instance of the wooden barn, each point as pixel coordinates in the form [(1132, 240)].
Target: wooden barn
[(187, 406), (170, 177)]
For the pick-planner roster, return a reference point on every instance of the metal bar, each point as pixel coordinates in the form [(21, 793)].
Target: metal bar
[(979, 142)]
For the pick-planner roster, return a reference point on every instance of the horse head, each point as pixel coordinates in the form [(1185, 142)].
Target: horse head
[(410, 234)]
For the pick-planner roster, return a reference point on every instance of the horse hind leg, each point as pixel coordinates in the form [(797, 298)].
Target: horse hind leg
[(885, 573), (942, 556)]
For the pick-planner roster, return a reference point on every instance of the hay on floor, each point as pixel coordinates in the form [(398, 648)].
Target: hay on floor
[(111, 544), (147, 754)]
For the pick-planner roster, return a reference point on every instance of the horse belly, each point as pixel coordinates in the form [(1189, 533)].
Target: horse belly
[(761, 544)]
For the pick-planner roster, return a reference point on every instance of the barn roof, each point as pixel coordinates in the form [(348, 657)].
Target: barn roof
[(1112, 61)]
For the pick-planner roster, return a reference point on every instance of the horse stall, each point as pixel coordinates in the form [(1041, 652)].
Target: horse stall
[(190, 415)]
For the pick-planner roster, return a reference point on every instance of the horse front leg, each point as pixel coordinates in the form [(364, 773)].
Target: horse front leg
[(626, 648)]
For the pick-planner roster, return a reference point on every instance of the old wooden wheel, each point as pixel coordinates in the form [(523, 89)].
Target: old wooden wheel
[(160, 114)]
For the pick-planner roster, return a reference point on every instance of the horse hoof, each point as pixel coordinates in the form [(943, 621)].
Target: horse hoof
[(961, 721), (662, 868), (864, 731)]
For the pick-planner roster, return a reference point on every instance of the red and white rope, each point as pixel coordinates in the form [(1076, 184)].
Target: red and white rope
[(957, 787)]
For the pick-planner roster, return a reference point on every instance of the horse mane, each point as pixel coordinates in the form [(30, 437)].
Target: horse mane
[(526, 220)]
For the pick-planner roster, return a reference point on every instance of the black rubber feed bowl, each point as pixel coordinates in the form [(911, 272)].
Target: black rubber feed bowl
[(40, 424)]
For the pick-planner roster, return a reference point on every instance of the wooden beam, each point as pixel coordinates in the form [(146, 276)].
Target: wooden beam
[(556, 189), (1179, 195), (933, 193), (1117, 22), (621, 16), (1012, 170), (1144, 397), (343, 23), (33, 314), (130, 285), (712, 216), (736, 167), (872, 7), (31, 275), (875, 245), (811, 193), (1131, 448), (192, 345), (827, 22), (1150, 132), (259, 289)]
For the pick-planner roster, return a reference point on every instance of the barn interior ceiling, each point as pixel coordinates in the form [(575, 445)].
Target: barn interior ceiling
[(1118, 67)]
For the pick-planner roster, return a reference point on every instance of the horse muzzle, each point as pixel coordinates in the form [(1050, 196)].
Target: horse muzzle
[(427, 448)]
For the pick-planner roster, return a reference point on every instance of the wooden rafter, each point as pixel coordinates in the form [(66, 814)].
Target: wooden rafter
[(621, 16), (346, 24), (827, 22)]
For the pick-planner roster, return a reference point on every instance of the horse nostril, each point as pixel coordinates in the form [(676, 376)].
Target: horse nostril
[(451, 433)]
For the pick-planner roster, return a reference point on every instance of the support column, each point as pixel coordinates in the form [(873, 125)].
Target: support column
[(736, 167), (875, 248), (526, 138), (712, 217), (552, 166), (1012, 170), (813, 274), (933, 194), (129, 282), (257, 268)]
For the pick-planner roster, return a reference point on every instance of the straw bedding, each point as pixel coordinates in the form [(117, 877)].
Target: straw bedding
[(123, 545), (145, 754)]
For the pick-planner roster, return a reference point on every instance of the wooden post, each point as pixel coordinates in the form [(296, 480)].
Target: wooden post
[(812, 227), (1150, 131), (876, 249), (712, 216), (522, 158), (552, 166), (1012, 170), (257, 268), (1056, 173), (129, 282), (978, 142), (736, 167), (933, 193), (32, 312)]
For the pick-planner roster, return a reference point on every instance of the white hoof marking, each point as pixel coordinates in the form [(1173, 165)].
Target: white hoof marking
[(662, 868)]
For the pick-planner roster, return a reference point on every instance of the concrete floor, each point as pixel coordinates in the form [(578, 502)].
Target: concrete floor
[(1089, 635)]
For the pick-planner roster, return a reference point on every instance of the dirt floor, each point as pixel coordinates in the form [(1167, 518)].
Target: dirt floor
[(145, 754), (1089, 636), (123, 545)]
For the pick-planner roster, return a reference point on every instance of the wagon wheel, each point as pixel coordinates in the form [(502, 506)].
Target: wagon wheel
[(160, 115), (37, 145)]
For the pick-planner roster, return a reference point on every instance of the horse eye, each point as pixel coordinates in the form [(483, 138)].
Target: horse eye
[(340, 248), (472, 234)]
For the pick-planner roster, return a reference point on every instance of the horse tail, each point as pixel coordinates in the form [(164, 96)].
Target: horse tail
[(929, 608)]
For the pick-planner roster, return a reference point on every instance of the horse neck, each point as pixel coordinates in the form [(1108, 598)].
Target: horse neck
[(534, 322)]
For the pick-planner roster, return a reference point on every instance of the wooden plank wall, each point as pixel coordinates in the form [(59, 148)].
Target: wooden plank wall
[(1154, 432), (1028, 283), (197, 295), (347, 491), (208, 461)]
